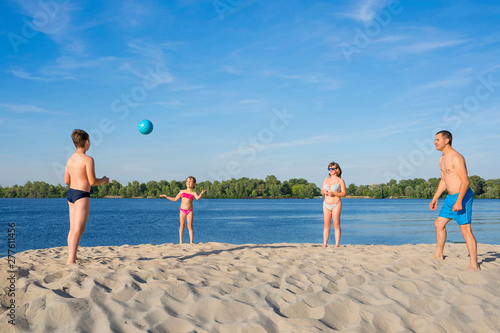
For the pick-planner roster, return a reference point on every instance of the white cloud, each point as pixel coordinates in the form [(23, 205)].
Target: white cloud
[(184, 87), (422, 47), (171, 104), (251, 101), (326, 83), (25, 75), (390, 39), (148, 50), (230, 69), (26, 108), (55, 20), (366, 10), (21, 108), (317, 139), (154, 54), (457, 80)]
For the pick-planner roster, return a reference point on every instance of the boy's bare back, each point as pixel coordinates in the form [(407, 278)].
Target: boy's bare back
[(80, 172)]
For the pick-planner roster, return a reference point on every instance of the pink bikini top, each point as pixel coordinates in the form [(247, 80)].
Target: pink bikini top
[(187, 195)]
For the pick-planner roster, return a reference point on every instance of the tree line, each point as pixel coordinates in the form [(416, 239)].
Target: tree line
[(271, 187), (228, 189), (420, 188)]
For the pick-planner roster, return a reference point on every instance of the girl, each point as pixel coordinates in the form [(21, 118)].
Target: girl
[(186, 212), (333, 189)]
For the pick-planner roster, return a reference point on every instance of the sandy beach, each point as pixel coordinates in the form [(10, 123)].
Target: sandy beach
[(214, 287)]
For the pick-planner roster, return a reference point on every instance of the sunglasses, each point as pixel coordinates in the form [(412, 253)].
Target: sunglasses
[(330, 169)]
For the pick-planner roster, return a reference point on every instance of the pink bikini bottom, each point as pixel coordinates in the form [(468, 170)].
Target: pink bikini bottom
[(186, 211)]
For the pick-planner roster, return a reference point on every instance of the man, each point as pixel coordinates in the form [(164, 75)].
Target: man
[(458, 203)]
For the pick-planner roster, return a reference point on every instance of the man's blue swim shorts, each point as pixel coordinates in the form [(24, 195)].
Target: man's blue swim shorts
[(465, 215)]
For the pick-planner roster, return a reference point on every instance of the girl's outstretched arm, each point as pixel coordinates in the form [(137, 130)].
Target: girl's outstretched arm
[(199, 196), (170, 198)]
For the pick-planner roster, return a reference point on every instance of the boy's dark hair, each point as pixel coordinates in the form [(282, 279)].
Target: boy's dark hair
[(446, 135), (79, 137)]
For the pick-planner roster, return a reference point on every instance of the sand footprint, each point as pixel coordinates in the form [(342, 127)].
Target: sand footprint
[(431, 306), (317, 299), (281, 300), (296, 281), (417, 323), (302, 310), (355, 280), (406, 286), (172, 324), (342, 315), (211, 309), (329, 287), (126, 291), (367, 296), (396, 295), (61, 312), (54, 277), (387, 322)]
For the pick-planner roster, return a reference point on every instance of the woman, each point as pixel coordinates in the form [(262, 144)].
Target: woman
[(333, 189)]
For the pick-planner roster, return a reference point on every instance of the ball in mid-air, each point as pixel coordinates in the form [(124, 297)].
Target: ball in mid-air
[(145, 126)]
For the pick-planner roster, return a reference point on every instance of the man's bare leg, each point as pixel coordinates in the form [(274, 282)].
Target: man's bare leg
[(440, 225), (328, 224), (471, 243), (78, 215)]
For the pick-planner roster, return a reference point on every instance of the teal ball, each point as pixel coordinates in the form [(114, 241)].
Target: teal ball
[(145, 126)]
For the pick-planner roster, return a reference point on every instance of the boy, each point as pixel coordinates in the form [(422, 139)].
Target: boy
[(80, 176)]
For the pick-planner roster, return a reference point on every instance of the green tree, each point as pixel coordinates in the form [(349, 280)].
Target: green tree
[(11, 192), (102, 190), (361, 190), (409, 192), (477, 183), (376, 191), (20, 193), (286, 189), (351, 189), (114, 188)]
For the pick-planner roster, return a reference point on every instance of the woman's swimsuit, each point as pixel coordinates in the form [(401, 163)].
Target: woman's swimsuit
[(333, 188), (74, 195), (187, 196)]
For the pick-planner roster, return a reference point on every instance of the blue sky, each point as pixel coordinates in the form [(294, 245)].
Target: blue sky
[(248, 88)]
